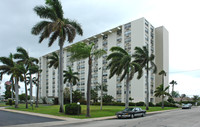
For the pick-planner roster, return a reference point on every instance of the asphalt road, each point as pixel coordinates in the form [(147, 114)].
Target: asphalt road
[(174, 118), (10, 118)]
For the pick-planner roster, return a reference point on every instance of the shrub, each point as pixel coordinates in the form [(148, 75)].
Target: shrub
[(10, 102), (140, 103), (151, 104), (55, 101), (132, 104), (166, 104), (44, 101), (107, 98), (72, 109)]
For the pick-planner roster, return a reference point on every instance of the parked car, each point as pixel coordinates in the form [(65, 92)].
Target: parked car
[(186, 106), (131, 113)]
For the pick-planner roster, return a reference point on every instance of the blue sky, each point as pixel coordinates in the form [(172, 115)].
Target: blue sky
[(180, 17)]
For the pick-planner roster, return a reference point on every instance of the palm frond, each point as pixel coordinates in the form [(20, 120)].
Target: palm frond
[(39, 27), (45, 12)]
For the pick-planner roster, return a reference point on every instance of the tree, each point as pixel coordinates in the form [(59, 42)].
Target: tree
[(195, 99), (161, 91), (94, 95), (22, 97), (77, 96), (54, 62), (103, 88), (142, 56), (83, 51), (12, 68), (182, 96), (175, 94), (71, 78), (8, 91), (36, 69), (107, 98), (173, 83), (121, 65), (23, 58), (163, 74), (56, 27)]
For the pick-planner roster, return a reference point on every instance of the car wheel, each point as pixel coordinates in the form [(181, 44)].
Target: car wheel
[(132, 116), (118, 117), (143, 114)]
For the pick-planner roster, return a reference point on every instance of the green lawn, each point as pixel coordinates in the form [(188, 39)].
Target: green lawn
[(95, 110), (2, 104)]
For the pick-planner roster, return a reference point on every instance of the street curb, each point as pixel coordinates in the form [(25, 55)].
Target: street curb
[(75, 119)]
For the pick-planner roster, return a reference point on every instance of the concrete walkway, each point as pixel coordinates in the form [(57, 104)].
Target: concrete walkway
[(66, 120)]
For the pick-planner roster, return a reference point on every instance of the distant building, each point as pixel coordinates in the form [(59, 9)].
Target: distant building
[(136, 33)]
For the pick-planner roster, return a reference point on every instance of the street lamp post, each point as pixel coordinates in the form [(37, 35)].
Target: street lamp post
[(32, 104), (78, 103)]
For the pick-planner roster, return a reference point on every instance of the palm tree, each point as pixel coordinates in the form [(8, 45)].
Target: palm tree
[(23, 57), (173, 83), (12, 68), (121, 64), (54, 62), (195, 99), (56, 27), (71, 78), (36, 69), (83, 51), (142, 56), (161, 91), (163, 73)]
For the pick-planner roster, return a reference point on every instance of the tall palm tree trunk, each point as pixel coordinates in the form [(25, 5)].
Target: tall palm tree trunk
[(58, 86), (16, 93), (12, 89), (36, 105), (172, 88), (31, 94), (163, 101), (147, 97), (26, 97), (127, 91), (70, 93), (89, 87), (61, 78)]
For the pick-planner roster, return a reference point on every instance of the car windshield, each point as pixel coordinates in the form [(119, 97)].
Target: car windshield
[(128, 109)]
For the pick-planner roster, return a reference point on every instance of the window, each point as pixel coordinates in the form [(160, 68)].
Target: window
[(127, 33), (127, 26), (105, 37), (146, 38), (127, 40), (119, 32), (146, 30)]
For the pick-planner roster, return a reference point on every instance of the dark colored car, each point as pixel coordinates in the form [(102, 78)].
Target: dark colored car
[(131, 113), (186, 106)]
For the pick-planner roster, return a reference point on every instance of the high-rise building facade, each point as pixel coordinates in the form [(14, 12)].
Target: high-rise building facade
[(136, 33)]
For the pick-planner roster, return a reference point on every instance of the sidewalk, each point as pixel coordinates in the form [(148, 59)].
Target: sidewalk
[(66, 120)]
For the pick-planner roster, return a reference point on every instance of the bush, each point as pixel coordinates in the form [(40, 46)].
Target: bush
[(44, 100), (171, 100), (10, 102), (72, 109), (132, 104), (151, 104), (55, 101), (140, 103), (166, 104)]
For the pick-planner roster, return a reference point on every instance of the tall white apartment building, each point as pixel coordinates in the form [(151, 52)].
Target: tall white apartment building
[(136, 33)]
